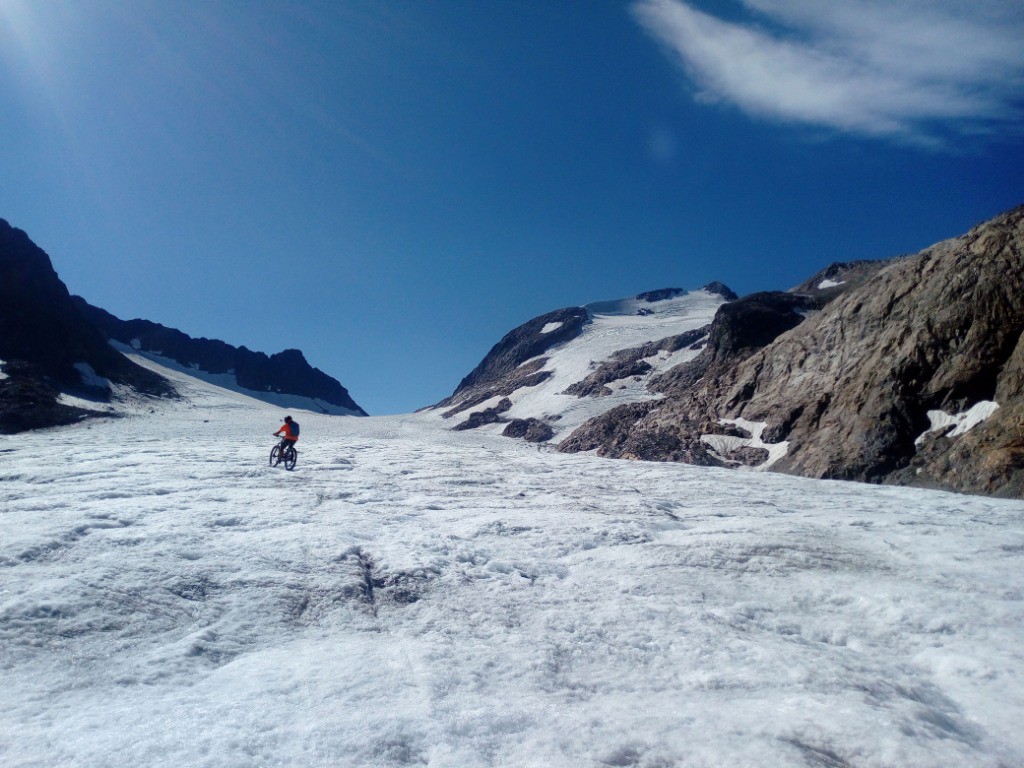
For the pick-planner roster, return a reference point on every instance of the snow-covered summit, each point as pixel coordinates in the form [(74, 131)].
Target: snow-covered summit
[(607, 360)]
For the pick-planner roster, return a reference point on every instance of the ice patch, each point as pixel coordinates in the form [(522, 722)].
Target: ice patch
[(551, 327), (136, 344), (90, 378), (964, 422), (723, 444), (830, 284), (85, 404), (2, 374)]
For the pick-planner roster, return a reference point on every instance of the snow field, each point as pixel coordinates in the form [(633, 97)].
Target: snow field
[(412, 596)]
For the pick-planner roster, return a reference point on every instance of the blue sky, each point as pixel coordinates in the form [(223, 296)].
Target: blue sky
[(392, 186)]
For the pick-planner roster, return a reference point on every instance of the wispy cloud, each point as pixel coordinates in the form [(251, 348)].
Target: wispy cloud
[(912, 70)]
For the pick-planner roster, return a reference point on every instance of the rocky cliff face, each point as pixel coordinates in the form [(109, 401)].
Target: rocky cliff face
[(41, 326), (285, 373), (47, 346), (852, 390)]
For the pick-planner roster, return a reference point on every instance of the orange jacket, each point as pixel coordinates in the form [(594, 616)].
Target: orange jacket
[(288, 434)]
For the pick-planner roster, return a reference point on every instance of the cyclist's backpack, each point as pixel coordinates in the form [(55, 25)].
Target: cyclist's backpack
[(295, 428)]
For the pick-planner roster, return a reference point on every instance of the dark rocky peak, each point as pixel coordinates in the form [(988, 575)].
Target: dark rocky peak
[(48, 346), (753, 322), (26, 265), (41, 326), (720, 289), (284, 373), (289, 357), (663, 294)]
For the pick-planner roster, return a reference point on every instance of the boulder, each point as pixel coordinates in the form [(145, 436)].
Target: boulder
[(531, 430)]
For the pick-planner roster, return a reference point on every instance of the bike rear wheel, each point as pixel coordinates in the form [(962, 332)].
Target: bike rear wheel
[(290, 457)]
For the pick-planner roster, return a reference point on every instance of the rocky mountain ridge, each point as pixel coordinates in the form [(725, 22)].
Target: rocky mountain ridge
[(285, 374), (47, 348), (57, 364), (911, 373)]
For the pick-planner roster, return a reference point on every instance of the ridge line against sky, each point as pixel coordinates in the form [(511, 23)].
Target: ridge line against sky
[(426, 177)]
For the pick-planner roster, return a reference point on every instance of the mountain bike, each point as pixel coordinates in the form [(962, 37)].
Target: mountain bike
[(287, 456)]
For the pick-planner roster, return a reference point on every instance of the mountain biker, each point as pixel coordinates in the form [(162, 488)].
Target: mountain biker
[(290, 436)]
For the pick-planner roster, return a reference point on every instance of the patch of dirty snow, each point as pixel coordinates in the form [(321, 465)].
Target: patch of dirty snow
[(964, 422), (723, 444)]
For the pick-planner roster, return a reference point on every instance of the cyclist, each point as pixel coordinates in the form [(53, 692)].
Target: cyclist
[(289, 433)]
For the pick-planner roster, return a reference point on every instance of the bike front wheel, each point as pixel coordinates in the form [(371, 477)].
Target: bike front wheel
[(275, 455)]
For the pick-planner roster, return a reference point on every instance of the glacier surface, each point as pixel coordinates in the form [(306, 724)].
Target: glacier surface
[(411, 596)]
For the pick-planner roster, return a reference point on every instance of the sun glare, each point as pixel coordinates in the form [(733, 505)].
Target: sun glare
[(15, 25), (27, 47)]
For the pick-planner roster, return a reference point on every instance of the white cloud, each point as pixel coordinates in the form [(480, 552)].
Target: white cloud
[(915, 70)]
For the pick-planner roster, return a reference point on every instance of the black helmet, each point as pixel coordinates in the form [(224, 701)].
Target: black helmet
[(287, 418)]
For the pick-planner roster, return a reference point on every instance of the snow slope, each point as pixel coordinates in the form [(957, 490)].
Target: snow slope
[(230, 382), (615, 325), (412, 596)]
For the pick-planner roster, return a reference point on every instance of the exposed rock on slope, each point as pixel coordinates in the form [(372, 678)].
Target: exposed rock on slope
[(283, 374), (530, 430), (854, 388), (840, 277), (29, 400), (663, 294), (631, 362), (738, 330)]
